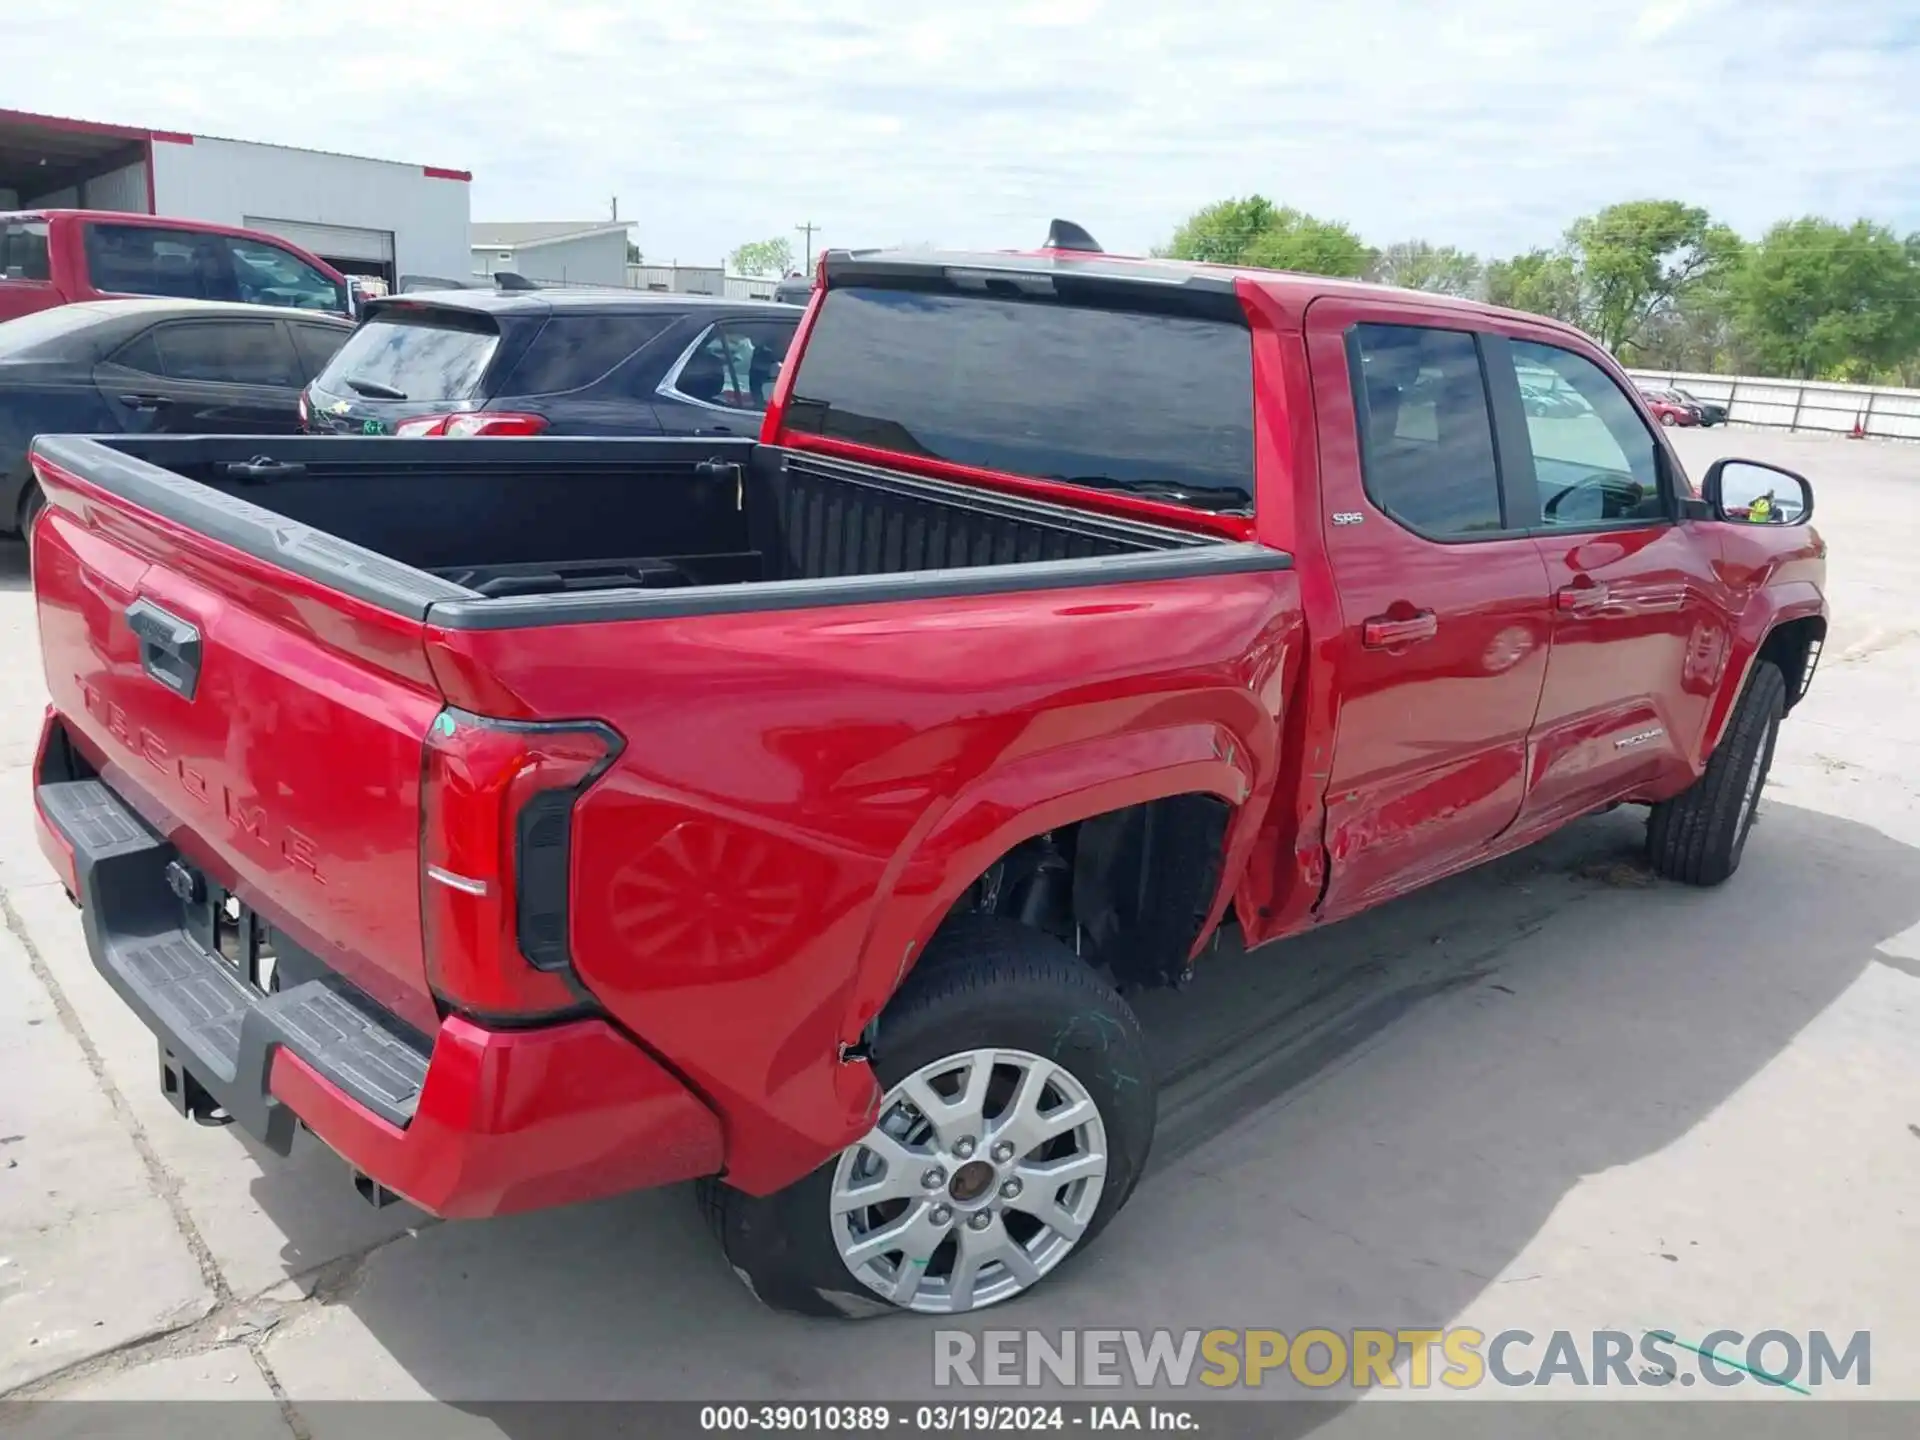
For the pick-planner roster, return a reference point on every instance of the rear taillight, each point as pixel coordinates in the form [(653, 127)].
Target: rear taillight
[(471, 424), (304, 411), (497, 822)]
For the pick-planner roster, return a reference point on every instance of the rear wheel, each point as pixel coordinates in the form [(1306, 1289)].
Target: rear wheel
[(1018, 1112), (1699, 836), (32, 502), (1667, 417)]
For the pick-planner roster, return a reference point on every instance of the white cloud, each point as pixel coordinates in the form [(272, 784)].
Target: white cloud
[(1485, 123)]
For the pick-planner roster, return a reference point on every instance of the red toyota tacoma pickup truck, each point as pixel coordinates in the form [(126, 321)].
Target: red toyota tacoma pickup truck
[(534, 820), (57, 257)]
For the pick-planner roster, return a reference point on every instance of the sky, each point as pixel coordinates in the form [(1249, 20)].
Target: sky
[(1479, 123)]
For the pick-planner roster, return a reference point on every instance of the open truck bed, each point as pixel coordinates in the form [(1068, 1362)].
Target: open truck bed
[(479, 740), (498, 533)]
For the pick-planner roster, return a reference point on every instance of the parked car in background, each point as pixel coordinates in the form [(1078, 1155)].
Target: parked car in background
[(794, 290), (1709, 412), (1669, 412), (58, 257), (463, 363), (151, 367)]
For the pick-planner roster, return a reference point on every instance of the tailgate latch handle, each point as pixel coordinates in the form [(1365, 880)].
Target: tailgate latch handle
[(169, 647)]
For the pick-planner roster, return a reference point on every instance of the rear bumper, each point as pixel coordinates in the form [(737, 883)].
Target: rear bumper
[(469, 1122)]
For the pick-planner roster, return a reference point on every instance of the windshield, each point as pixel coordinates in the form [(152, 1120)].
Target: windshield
[(425, 357)]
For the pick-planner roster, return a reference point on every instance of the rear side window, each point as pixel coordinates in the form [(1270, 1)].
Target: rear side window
[(23, 251), (318, 344), (1426, 433), (439, 355), (234, 352), (1156, 405), (573, 351), (149, 260), (734, 364)]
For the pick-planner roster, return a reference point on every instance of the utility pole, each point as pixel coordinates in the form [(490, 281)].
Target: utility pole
[(807, 230), (616, 207)]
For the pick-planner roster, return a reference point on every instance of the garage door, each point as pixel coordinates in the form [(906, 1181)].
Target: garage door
[(331, 242)]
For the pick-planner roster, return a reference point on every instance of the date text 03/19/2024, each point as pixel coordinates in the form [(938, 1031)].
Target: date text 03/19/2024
[(942, 1418)]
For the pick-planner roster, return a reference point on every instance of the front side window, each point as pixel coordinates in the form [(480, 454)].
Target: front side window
[(735, 364), (1594, 460), (1426, 431), (265, 274), (1156, 405)]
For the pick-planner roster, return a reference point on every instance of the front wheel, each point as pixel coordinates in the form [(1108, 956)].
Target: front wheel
[(1700, 834), (1017, 1115)]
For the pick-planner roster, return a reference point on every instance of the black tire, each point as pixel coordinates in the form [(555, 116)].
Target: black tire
[(983, 982), (1698, 836), (32, 502)]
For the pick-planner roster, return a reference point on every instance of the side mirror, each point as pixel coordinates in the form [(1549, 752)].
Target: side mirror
[(1751, 492)]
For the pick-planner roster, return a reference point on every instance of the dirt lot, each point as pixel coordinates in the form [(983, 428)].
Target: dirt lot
[(1552, 1094)]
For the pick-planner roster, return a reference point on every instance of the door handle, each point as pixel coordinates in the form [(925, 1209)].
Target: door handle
[(169, 647), (145, 402), (1581, 597), (1384, 632)]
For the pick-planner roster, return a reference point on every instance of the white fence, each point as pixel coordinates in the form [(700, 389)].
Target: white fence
[(1815, 405)]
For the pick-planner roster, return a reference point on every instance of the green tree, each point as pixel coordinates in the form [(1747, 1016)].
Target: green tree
[(1637, 258), (1255, 231), (633, 254), (1222, 233), (1820, 299), (763, 257), (1416, 265), (1540, 281)]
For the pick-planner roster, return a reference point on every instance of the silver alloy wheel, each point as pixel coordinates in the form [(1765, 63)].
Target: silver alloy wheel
[(981, 1174)]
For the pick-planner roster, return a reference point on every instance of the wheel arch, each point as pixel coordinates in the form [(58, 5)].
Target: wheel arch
[(1787, 625), (1042, 794)]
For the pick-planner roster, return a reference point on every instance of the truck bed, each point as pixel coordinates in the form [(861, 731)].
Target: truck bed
[(531, 532)]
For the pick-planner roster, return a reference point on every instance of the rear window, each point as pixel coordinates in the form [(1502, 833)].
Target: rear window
[(1156, 405), (434, 356), (573, 351)]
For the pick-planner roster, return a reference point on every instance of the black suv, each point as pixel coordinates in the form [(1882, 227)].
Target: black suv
[(553, 362)]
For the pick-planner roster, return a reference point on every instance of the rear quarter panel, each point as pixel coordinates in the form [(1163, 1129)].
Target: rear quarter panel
[(805, 793)]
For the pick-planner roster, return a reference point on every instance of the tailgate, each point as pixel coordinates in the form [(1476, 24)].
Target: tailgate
[(269, 725)]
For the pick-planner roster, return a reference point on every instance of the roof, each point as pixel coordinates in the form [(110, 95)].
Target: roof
[(524, 234), (166, 305), (62, 139), (582, 301), (1292, 289)]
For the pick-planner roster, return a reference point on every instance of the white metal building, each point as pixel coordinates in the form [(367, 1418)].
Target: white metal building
[(365, 217), (562, 252)]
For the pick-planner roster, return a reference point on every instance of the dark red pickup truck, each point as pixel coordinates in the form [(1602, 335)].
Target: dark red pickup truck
[(533, 820)]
